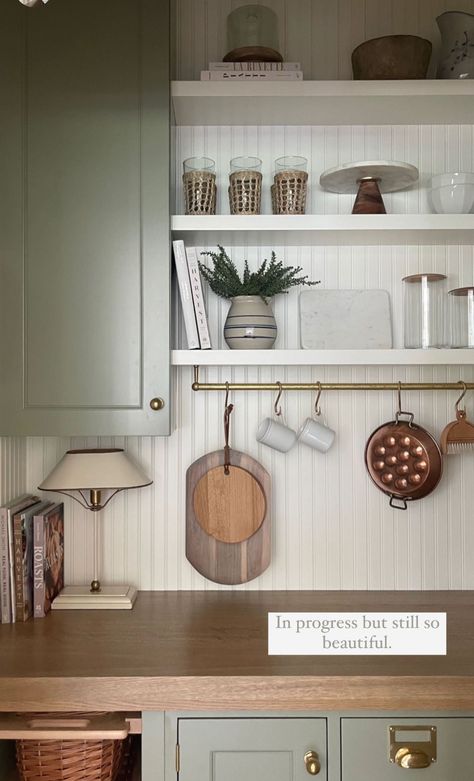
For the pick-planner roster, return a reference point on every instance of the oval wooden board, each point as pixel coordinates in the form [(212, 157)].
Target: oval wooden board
[(224, 561), (230, 507)]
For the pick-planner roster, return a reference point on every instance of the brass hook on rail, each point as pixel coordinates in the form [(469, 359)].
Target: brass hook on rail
[(464, 391), (317, 408), (276, 406)]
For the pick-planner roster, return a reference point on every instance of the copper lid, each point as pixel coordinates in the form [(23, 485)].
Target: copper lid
[(419, 277), (461, 291)]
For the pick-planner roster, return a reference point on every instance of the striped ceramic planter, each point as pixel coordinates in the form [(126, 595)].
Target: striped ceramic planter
[(250, 324)]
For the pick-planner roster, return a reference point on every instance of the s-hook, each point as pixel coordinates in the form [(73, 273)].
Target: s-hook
[(317, 408)]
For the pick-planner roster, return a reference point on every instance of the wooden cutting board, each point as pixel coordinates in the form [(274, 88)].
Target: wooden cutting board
[(228, 518)]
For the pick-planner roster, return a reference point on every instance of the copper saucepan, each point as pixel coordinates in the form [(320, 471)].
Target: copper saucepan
[(403, 460)]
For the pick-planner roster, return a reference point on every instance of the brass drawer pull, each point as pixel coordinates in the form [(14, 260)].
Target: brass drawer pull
[(157, 403), (409, 759), (412, 746), (313, 765)]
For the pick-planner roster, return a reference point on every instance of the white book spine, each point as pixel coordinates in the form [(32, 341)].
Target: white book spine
[(198, 298), (5, 599), (11, 562), (254, 66), (186, 296), (251, 76)]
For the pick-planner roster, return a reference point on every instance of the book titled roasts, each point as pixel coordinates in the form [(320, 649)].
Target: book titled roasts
[(23, 540), (48, 557)]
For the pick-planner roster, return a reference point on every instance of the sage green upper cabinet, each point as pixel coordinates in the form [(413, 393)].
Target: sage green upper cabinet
[(84, 218)]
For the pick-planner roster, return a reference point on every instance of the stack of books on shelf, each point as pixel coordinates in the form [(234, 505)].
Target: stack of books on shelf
[(192, 299), (253, 71), (31, 557)]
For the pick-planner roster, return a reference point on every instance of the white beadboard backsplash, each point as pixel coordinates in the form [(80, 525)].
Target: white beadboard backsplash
[(332, 529), (320, 34)]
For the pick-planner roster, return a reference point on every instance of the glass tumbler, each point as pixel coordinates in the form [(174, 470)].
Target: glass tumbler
[(461, 317), (199, 182), (290, 185), (245, 185), (424, 310)]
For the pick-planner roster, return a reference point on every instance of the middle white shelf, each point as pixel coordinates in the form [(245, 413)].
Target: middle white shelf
[(394, 357), (324, 229)]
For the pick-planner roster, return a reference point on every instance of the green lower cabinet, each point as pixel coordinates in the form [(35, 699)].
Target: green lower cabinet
[(432, 749), (252, 749)]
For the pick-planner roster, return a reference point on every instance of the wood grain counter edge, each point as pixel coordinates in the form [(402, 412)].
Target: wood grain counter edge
[(239, 693)]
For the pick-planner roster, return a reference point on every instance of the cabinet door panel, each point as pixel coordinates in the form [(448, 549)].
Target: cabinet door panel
[(366, 744), (261, 749), (86, 248)]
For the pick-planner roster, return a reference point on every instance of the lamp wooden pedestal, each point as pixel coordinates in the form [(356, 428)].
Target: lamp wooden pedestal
[(108, 598), (369, 179)]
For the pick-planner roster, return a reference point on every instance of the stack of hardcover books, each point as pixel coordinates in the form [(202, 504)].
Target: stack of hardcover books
[(192, 299), (31, 557), (253, 71)]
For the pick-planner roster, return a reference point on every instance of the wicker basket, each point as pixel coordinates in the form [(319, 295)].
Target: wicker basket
[(70, 746), (200, 192), (289, 192), (245, 192)]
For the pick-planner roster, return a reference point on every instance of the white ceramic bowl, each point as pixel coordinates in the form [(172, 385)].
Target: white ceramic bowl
[(453, 199), (441, 180)]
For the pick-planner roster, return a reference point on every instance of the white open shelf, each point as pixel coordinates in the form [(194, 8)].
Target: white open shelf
[(393, 357), (325, 229), (443, 101)]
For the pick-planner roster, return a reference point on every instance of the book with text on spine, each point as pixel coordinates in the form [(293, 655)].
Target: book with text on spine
[(48, 557), (254, 66), (7, 553), (251, 76), (23, 539), (185, 293), (198, 298)]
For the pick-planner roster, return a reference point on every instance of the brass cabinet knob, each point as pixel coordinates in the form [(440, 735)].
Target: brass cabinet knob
[(157, 403), (411, 759), (313, 765)]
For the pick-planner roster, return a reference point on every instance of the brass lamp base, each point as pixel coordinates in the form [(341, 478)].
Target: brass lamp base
[(108, 598)]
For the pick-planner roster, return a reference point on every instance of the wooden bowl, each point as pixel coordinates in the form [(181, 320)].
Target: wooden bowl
[(392, 57)]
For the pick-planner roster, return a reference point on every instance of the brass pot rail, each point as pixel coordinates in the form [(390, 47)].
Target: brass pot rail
[(326, 386)]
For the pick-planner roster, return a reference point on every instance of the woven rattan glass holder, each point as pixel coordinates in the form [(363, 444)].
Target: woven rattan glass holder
[(289, 191), (200, 192), (66, 759), (245, 192)]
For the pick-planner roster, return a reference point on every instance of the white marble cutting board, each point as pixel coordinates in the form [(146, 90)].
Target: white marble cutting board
[(345, 319)]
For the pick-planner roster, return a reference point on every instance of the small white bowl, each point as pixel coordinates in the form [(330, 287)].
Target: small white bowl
[(454, 199), (441, 180)]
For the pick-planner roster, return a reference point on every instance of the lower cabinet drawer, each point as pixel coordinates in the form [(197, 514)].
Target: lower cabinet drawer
[(438, 749), (252, 749)]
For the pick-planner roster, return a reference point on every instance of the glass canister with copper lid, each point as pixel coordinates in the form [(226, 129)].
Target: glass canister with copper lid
[(424, 307), (461, 317)]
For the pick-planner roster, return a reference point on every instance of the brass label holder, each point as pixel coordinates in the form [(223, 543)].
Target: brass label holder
[(412, 754)]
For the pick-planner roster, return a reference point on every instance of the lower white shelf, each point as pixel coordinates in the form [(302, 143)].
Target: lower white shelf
[(393, 357)]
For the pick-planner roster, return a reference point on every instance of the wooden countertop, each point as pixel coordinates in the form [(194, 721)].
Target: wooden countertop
[(208, 651)]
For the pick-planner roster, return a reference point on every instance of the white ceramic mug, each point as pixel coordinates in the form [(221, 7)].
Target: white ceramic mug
[(276, 435), (316, 435)]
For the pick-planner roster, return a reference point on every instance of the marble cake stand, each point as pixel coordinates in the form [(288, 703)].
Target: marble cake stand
[(369, 179)]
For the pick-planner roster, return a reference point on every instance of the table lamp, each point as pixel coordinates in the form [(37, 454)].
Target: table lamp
[(92, 478)]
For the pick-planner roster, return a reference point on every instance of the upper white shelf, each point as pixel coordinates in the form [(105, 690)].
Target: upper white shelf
[(325, 229), (395, 357), (426, 102)]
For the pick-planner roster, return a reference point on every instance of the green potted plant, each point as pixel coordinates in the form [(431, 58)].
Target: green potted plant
[(250, 323)]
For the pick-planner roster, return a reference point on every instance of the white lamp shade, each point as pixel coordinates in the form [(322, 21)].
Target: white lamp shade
[(98, 469)]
